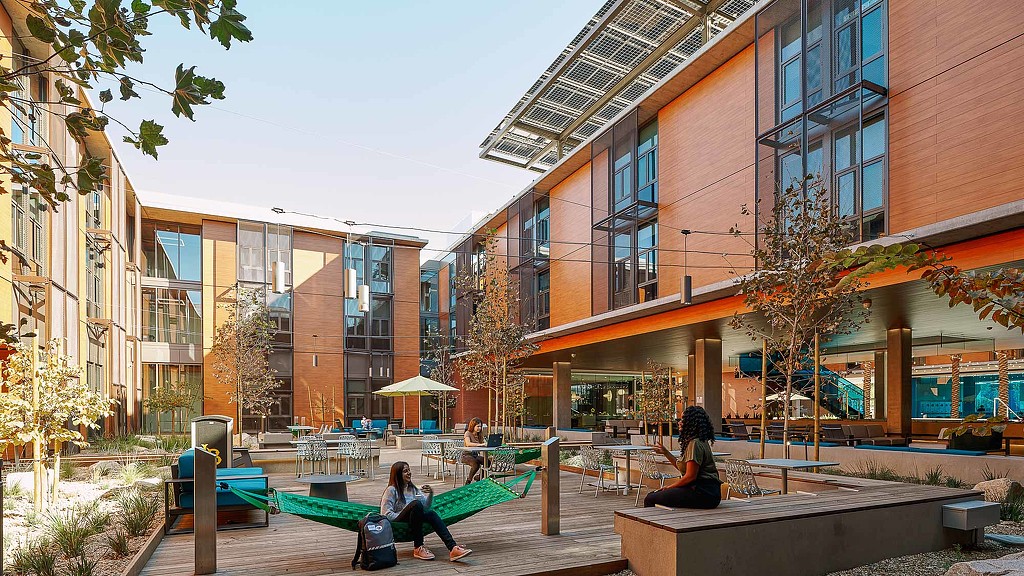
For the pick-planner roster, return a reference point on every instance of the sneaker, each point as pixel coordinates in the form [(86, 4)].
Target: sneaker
[(422, 553), (458, 553)]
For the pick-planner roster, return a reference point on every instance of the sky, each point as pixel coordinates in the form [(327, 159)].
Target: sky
[(371, 111)]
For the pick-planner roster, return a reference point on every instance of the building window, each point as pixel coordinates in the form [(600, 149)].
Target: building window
[(172, 251), (94, 213), (252, 252), (96, 363), (29, 228), (647, 261), (542, 296), (537, 230), (380, 324), (185, 379), (172, 316), (354, 259), (647, 163), (859, 182), (429, 291), (380, 269), (29, 117), (94, 279)]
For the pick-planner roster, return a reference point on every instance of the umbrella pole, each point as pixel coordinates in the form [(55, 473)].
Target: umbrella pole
[(404, 396)]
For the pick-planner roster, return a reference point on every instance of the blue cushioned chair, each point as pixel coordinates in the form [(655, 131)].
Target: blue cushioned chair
[(429, 427), (179, 496)]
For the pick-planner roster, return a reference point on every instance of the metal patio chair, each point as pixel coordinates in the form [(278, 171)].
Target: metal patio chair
[(741, 479), (591, 458), (649, 469)]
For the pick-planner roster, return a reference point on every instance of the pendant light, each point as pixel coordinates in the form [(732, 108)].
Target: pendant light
[(351, 290), (316, 359), (686, 282), (277, 267), (364, 298)]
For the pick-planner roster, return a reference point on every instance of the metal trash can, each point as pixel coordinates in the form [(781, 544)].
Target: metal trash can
[(213, 433)]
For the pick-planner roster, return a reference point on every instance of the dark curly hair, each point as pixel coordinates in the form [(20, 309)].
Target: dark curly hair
[(695, 424)]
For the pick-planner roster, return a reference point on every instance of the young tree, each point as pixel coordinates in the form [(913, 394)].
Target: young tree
[(496, 343), (179, 398), (241, 354), (656, 398), (794, 294), (44, 404), (443, 370)]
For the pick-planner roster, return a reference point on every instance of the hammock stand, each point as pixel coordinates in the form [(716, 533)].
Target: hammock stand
[(451, 506)]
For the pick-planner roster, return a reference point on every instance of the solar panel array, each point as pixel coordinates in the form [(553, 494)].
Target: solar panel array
[(565, 103)]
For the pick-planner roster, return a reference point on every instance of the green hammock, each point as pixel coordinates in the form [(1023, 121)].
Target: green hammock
[(524, 455), (451, 506)]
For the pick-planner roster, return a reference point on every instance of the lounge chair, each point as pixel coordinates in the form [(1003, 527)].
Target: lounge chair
[(179, 496)]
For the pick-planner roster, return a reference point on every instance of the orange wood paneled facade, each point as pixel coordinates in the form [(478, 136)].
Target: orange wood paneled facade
[(706, 174), (220, 271), (318, 307), (406, 324), (570, 253)]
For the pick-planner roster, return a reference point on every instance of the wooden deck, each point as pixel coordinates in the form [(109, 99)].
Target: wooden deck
[(505, 539)]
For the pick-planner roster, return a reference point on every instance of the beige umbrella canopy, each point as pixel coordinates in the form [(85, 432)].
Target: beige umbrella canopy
[(793, 397), (416, 386)]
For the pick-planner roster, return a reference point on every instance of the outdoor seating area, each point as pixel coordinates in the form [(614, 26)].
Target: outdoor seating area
[(179, 498)]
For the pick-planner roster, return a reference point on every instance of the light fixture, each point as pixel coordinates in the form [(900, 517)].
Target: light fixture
[(686, 282), (351, 289), (866, 303), (608, 395), (364, 298), (316, 358), (277, 275), (621, 392)]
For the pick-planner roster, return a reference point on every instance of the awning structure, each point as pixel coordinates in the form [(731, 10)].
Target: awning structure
[(625, 49)]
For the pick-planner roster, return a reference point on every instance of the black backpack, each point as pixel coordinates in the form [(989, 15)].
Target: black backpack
[(376, 545)]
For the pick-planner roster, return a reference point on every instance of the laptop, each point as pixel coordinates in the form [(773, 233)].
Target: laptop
[(494, 440)]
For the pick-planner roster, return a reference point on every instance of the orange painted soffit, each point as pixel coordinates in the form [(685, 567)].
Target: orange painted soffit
[(979, 253)]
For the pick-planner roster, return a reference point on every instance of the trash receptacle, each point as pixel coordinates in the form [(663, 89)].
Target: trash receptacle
[(213, 433)]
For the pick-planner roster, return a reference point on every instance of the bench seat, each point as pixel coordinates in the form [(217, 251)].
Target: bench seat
[(795, 534)]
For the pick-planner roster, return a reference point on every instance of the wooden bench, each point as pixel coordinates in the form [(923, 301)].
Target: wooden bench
[(797, 534)]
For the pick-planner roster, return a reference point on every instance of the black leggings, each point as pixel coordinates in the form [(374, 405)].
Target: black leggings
[(689, 496), (414, 515)]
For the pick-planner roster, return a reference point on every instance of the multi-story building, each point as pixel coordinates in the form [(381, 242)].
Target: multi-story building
[(136, 291), (664, 118)]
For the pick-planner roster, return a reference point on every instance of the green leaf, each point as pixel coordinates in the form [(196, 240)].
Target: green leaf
[(140, 7), (106, 96), (229, 26), (128, 89), (40, 29), (150, 137), (90, 174)]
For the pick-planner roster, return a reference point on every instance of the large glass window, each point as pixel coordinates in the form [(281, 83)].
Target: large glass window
[(30, 228), (252, 252), (380, 324), (172, 316), (647, 163), (859, 182), (95, 280), (428, 291), (380, 269), (647, 261), (355, 325), (184, 379), (543, 299), (542, 227), (172, 251)]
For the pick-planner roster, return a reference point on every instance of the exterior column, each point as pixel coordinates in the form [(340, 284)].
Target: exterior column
[(898, 373), (1004, 384), (869, 374), (878, 395), (561, 397), (954, 383), (691, 373), (707, 380)]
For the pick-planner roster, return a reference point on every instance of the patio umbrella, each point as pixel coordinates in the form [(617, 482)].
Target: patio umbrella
[(416, 386), (794, 396)]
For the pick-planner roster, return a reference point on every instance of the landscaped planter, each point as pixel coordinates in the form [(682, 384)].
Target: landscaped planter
[(969, 441)]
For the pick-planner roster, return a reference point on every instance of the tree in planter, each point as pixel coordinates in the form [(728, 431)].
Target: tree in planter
[(241, 354), (41, 400), (496, 343), (798, 295), (81, 45)]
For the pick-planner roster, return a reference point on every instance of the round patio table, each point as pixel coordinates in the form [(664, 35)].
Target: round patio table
[(329, 486)]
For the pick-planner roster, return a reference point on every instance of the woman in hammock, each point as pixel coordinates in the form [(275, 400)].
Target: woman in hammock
[(404, 502), (474, 436), (700, 486)]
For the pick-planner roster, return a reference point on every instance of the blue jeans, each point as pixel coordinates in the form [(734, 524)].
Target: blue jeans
[(414, 515)]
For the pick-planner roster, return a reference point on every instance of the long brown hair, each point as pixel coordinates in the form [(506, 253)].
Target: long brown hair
[(397, 480), (471, 425)]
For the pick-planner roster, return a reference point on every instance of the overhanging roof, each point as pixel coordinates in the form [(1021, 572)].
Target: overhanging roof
[(625, 49)]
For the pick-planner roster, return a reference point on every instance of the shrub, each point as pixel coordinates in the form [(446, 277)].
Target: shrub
[(119, 542), (67, 469), (933, 477), (81, 566), (137, 512), (132, 472), (175, 444), (14, 491), (71, 530), (1012, 509), (990, 474), (34, 557)]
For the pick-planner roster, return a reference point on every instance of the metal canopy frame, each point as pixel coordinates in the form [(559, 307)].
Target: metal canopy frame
[(626, 48)]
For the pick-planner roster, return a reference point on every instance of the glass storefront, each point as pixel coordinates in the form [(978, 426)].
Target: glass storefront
[(600, 397), (932, 394)]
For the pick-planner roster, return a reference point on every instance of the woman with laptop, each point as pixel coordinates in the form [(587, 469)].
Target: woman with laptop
[(474, 437)]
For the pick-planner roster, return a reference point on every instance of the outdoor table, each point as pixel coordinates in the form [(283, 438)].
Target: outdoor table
[(329, 486), (297, 430), (336, 441), (678, 453), (628, 449), (787, 464), (485, 450)]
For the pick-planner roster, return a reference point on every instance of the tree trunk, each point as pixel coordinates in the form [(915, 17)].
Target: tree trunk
[(56, 469), (785, 414), (817, 396), (764, 394)]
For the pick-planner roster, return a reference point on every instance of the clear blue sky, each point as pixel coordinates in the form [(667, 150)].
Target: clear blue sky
[(421, 81)]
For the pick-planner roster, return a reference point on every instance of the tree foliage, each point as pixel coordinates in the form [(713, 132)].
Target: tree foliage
[(796, 290), (442, 369), (495, 341), (657, 404), (241, 352), (178, 399)]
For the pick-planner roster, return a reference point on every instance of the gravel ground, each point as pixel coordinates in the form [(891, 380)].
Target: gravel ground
[(931, 563)]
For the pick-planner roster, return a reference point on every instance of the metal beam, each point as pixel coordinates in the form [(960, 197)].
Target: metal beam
[(647, 62), (517, 112)]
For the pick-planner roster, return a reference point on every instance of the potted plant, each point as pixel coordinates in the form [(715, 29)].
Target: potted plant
[(977, 433)]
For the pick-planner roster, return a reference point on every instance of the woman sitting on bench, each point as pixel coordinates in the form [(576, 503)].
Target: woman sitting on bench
[(700, 486)]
